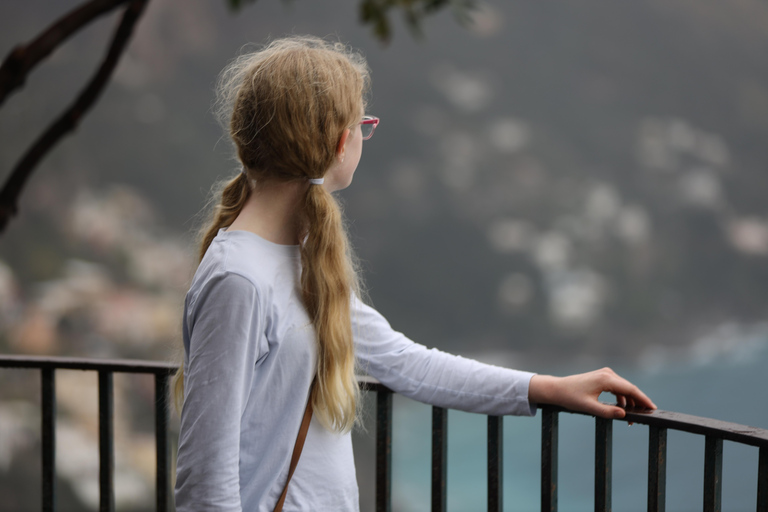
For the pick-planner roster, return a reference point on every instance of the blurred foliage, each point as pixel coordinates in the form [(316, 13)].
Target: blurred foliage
[(376, 13)]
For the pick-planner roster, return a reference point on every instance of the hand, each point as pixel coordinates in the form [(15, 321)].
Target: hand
[(580, 393)]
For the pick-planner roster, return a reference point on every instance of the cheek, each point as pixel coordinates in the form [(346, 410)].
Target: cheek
[(358, 153), (358, 145)]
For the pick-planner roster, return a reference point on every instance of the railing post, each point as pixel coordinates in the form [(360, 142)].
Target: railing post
[(106, 443), (439, 458), (383, 450), (549, 428), (762, 481), (657, 469), (495, 463), (48, 420), (603, 464), (162, 448), (713, 473)]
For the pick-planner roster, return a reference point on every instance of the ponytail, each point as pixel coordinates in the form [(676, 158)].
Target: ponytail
[(327, 280), (234, 194)]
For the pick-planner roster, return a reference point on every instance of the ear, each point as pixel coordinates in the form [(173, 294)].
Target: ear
[(342, 147)]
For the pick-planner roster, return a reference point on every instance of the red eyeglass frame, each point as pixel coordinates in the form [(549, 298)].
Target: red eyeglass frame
[(370, 120)]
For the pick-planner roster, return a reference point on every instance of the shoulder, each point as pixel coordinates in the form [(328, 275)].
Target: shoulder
[(241, 266), (217, 273), (241, 258), (222, 298)]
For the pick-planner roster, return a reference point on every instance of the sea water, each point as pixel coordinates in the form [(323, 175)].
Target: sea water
[(723, 376)]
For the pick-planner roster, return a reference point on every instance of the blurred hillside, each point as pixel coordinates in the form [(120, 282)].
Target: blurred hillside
[(580, 178)]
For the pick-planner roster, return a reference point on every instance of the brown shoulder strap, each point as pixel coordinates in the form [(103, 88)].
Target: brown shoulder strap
[(296, 451)]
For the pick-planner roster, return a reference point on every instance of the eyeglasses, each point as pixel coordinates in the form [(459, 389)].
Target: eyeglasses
[(368, 125)]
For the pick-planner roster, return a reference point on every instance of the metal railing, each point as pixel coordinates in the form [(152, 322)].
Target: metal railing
[(105, 369), (659, 422)]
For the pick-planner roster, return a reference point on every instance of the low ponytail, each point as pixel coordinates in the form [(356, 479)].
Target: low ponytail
[(327, 280), (233, 194)]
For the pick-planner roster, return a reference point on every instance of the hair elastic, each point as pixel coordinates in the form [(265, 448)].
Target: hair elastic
[(316, 181), (244, 171)]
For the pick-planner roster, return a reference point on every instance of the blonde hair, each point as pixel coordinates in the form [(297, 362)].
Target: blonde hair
[(287, 106)]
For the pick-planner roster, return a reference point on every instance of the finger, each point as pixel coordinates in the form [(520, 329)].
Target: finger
[(626, 402), (600, 409), (610, 412), (619, 386)]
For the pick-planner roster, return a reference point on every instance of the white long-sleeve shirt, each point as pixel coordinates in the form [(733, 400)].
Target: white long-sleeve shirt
[(250, 355)]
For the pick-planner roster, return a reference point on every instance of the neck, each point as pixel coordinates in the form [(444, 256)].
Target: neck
[(271, 211)]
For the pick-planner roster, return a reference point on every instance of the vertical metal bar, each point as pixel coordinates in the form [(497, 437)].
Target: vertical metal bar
[(657, 469), (603, 464), (549, 427), (495, 463), (162, 448), (106, 443), (383, 451), (713, 474), (762, 481), (439, 458), (48, 428)]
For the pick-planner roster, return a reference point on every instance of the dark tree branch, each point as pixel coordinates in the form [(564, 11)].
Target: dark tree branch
[(69, 120), (24, 57)]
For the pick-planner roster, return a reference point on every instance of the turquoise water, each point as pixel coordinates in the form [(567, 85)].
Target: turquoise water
[(723, 380)]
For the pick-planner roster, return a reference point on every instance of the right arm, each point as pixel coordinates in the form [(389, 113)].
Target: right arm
[(221, 325), (446, 380)]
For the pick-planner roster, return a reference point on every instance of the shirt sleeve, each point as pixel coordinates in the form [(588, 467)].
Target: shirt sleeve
[(432, 376), (222, 324)]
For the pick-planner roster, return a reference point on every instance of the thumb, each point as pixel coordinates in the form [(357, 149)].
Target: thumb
[(609, 412)]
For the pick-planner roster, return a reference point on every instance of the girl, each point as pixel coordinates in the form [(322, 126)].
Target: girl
[(273, 326)]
